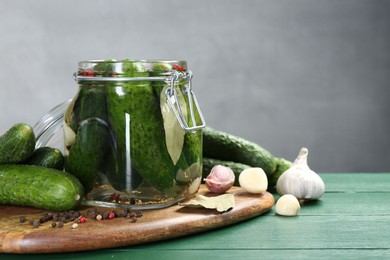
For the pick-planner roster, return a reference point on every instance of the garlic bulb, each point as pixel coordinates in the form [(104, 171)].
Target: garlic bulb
[(300, 181)]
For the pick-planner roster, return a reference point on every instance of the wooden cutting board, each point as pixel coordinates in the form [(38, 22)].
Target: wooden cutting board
[(154, 225)]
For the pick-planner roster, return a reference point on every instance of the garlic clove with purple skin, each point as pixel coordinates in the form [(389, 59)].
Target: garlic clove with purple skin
[(220, 179)]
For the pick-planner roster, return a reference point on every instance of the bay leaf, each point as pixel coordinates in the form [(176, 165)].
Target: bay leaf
[(221, 203), (174, 133)]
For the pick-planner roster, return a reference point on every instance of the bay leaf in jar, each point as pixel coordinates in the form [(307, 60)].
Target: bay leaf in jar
[(174, 133)]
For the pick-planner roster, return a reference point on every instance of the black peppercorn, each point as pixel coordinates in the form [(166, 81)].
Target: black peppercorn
[(132, 201), (36, 223)]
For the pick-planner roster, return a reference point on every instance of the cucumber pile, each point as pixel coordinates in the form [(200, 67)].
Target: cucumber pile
[(220, 148), (35, 177)]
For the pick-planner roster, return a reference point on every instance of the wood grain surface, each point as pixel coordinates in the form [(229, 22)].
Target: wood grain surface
[(154, 225)]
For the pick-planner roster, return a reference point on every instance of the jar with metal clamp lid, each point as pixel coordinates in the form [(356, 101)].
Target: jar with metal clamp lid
[(133, 133)]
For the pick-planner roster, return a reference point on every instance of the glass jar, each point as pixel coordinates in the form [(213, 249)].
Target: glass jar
[(133, 133)]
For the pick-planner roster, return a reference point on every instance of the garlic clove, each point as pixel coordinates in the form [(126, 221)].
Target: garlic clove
[(287, 205), (220, 179), (300, 181), (253, 180)]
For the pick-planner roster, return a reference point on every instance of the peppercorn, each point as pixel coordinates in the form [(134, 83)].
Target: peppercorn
[(178, 67), (133, 219), (22, 219), (91, 213), (82, 219), (53, 224), (99, 217), (60, 224), (43, 219), (111, 215), (104, 215), (138, 214), (36, 223), (55, 216), (125, 212)]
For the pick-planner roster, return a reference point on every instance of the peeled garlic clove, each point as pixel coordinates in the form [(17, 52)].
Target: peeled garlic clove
[(287, 205), (300, 181), (220, 179), (253, 180)]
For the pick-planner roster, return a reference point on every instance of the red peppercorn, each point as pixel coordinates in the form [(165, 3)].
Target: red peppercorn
[(90, 73), (82, 219), (111, 215), (178, 67)]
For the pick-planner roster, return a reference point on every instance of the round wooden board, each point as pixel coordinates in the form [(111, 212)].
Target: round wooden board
[(154, 225)]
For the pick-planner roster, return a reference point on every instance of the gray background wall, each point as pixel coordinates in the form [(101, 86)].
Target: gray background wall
[(282, 73)]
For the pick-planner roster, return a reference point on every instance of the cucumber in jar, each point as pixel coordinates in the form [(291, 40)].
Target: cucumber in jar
[(135, 117), (184, 148), (89, 152)]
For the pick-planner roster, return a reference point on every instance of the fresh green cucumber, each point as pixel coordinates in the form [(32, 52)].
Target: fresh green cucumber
[(237, 168), (39, 187), (48, 157), (223, 146), (282, 165), (17, 144)]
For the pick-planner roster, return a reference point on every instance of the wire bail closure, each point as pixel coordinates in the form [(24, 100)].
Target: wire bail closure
[(174, 104), (170, 93)]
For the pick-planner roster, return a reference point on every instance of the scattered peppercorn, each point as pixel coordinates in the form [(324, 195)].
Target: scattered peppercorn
[(125, 212), (36, 223), (22, 219), (75, 225), (82, 220), (59, 219), (104, 215), (111, 215)]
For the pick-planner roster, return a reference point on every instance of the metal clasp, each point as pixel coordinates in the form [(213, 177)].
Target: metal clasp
[(174, 104)]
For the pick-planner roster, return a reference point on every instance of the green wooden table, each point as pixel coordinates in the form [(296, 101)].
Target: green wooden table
[(351, 221)]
